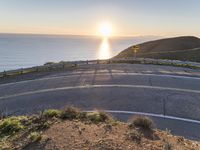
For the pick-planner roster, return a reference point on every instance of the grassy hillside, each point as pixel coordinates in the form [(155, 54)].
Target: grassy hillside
[(73, 129), (179, 48)]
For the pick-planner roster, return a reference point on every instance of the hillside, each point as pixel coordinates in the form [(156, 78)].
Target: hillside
[(73, 129), (180, 48)]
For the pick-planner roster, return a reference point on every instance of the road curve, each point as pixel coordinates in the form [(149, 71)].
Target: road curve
[(150, 89)]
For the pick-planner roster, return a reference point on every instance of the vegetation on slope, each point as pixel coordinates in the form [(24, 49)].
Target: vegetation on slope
[(73, 129), (179, 48)]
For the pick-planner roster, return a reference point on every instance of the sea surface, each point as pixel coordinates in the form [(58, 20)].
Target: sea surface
[(23, 50)]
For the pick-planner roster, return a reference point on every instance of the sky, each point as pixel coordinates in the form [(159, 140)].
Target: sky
[(83, 17)]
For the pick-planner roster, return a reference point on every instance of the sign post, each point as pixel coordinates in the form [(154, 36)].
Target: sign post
[(135, 49)]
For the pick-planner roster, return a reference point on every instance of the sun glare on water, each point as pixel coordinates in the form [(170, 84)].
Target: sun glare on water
[(104, 49), (105, 29)]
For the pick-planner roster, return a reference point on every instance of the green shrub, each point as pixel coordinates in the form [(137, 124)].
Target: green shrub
[(50, 113), (97, 117), (10, 125), (35, 136), (49, 63), (142, 122), (70, 113)]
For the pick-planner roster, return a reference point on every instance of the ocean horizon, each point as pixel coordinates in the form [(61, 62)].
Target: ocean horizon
[(27, 50)]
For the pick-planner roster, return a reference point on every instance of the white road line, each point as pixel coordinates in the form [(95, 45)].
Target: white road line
[(100, 86), (150, 114), (102, 74)]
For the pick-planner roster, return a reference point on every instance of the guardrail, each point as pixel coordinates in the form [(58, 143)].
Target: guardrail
[(46, 67), (66, 65)]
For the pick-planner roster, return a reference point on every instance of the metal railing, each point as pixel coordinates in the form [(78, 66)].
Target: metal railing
[(66, 65)]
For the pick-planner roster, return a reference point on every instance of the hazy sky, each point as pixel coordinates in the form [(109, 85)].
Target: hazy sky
[(128, 17)]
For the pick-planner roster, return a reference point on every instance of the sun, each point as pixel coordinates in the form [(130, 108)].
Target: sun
[(105, 29)]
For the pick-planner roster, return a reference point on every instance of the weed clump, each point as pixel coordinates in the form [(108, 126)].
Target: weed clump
[(97, 117), (10, 125), (70, 113), (142, 122), (50, 113), (35, 136)]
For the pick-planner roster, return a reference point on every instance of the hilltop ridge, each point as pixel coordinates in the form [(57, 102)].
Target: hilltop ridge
[(185, 48)]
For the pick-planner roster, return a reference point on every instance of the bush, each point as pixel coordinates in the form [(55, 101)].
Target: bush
[(142, 122), (49, 63), (10, 125), (70, 113), (35, 136), (50, 113), (97, 117)]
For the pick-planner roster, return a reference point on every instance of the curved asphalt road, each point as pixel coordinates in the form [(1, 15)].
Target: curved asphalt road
[(159, 90)]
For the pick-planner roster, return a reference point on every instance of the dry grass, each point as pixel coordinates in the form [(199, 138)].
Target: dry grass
[(142, 122), (73, 129)]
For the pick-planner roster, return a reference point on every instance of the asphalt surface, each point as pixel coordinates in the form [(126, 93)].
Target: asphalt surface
[(161, 90)]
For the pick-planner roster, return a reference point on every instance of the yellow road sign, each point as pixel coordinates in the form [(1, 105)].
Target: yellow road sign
[(136, 47)]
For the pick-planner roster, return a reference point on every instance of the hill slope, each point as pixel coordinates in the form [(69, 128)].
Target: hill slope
[(73, 129), (179, 48)]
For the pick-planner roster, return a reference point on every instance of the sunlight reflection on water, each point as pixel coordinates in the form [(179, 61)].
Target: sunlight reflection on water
[(104, 49)]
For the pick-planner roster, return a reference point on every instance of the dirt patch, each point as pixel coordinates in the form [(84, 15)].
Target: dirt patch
[(72, 129), (75, 135)]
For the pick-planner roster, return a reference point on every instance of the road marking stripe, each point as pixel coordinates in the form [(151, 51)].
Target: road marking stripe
[(150, 114), (101, 74), (99, 86)]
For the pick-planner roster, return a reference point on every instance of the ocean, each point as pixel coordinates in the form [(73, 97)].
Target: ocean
[(26, 50)]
